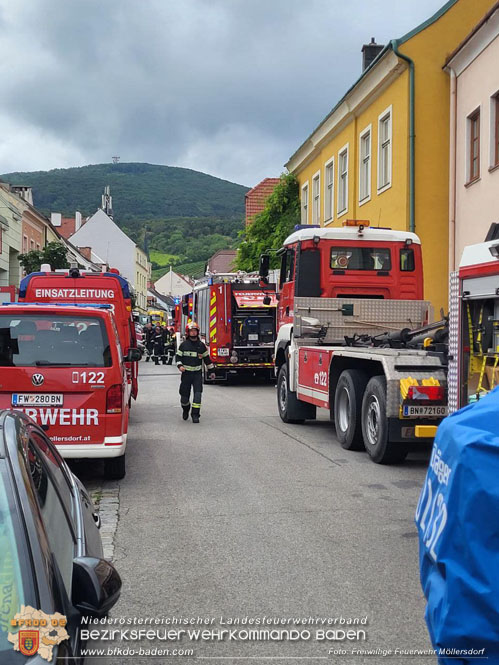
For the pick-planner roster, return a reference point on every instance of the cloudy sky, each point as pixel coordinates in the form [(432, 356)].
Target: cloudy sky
[(228, 87)]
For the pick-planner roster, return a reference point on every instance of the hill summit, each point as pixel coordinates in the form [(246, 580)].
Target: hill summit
[(182, 216), (140, 191)]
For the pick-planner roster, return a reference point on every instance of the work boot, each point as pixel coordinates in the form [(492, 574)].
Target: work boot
[(195, 415), (147, 358), (185, 411)]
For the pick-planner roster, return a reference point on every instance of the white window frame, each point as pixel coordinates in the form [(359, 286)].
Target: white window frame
[(304, 203), (316, 198), (343, 151), (365, 132), (329, 191), (387, 113)]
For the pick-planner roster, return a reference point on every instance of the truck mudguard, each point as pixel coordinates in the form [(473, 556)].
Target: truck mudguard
[(458, 527)]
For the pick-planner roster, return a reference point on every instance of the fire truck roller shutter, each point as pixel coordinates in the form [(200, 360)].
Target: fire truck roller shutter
[(308, 274)]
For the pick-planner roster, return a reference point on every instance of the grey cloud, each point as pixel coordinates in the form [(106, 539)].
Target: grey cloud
[(168, 82)]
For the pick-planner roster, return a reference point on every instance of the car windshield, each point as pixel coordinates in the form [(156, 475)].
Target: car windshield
[(38, 340), (360, 258), (14, 585)]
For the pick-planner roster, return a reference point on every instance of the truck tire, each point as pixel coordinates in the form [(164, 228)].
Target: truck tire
[(348, 408), (375, 425), (291, 409), (114, 468)]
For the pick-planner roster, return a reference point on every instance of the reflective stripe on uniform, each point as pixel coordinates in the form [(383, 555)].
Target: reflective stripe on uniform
[(192, 369), (196, 406), (190, 354)]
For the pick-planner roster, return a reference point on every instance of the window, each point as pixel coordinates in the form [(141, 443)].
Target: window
[(407, 263), (474, 146), (59, 532), (32, 244), (494, 130), (316, 193), (37, 340), (360, 258), (365, 166), (304, 204), (343, 181), (25, 244), (1, 250), (328, 190), (385, 150)]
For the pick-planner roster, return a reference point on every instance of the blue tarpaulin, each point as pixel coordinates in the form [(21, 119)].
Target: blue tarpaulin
[(458, 525)]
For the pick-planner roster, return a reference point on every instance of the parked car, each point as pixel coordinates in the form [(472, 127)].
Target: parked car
[(51, 550)]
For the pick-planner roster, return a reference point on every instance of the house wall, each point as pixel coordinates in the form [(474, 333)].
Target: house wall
[(109, 242), (477, 204), (10, 230)]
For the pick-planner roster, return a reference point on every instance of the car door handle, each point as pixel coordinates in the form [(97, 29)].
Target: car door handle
[(97, 519)]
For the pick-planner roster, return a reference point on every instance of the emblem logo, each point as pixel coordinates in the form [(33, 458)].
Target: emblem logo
[(29, 641), (37, 379)]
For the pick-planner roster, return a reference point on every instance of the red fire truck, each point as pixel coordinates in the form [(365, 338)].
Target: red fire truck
[(75, 286), (63, 366), (354, 337), (474, 323), (236, 315)]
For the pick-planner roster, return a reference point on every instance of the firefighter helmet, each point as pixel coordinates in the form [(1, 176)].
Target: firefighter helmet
[(191, 326)]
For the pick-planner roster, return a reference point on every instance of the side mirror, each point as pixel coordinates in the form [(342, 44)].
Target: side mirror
[(267, 300), (264, 265), (185, 309), (133, 355), (96, 586)]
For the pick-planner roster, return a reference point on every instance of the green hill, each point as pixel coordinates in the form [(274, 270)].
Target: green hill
[(139, 191), (186, 214)]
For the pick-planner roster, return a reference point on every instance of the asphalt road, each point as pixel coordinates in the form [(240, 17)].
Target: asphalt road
[(244, 516)]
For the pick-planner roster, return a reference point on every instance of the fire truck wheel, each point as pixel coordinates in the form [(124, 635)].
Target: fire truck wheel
[(348, 408), (114, 468), (375, 425), (287, 402)]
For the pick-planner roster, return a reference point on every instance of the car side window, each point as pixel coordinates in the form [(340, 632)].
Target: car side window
[(55, 466), (60, 533)]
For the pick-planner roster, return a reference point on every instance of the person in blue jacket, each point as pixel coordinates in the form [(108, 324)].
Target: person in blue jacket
[(458, 526)]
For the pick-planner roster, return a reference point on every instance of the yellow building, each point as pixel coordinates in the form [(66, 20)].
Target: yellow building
[(382, 153)]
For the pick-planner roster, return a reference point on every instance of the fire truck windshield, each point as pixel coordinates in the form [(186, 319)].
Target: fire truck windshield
[(360, 258), (34, 340)]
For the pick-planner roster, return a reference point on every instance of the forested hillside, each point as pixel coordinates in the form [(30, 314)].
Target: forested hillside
[(187, 215)]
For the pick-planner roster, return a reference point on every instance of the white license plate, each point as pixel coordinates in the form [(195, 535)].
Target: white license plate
[(424, 411), (37, 399), (253, 337), (223, 352)]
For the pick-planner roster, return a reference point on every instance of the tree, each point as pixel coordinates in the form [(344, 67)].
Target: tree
[(272, 226), (54, 253)]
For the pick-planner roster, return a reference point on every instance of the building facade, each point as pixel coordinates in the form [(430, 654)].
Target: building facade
[(116, 250), (474, 136), (10, 237), (382, 152), (142, 278)]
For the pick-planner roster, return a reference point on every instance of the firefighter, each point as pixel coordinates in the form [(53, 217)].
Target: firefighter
[(170, 345), (190, 357), (148, 339), (158, 339)]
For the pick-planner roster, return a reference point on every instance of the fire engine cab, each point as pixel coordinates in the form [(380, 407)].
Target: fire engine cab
[(474, 323), (354, 337), (63, 366), (75, 286)]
